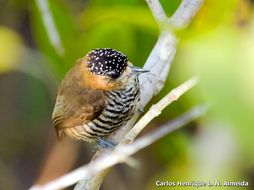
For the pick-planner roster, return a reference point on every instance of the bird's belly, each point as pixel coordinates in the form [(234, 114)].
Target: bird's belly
[(116, 114)]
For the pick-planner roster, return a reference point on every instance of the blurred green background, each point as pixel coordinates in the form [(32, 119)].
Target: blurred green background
[(218, 47)]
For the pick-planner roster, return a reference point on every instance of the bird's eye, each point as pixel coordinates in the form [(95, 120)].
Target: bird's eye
[(114, 75)]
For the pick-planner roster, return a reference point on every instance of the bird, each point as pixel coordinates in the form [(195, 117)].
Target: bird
[(97, 96)]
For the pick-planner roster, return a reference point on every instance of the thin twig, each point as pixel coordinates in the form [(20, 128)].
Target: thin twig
[(142, 142), (122, 152), (156, 109), (50, 26), (157, 10), (185, 12)]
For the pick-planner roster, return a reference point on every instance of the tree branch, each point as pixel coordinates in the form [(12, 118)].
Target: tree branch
[(185, 12), (121, 153), (157, 10)]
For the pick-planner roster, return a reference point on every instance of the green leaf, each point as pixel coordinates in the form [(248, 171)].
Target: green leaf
[(113, 2), (137, 16)]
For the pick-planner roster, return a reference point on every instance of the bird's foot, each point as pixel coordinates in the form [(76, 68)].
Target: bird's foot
[(105, 143)]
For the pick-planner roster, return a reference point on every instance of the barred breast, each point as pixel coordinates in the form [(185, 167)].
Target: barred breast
[(120, 107)]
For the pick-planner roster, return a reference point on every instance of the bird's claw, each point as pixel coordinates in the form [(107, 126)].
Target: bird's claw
[(141, 110), (105, 143)]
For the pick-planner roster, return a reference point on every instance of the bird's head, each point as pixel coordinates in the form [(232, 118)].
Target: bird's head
[(108, 69)]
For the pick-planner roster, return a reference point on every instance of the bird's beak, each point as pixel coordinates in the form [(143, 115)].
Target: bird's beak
[(138, 70)]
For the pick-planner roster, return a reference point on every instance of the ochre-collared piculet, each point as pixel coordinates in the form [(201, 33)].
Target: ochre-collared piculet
[(99, 94)]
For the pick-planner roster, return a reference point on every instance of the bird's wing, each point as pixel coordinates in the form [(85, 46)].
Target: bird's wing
[(72, 109)]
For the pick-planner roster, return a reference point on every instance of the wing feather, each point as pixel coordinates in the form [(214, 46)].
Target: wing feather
[(77, 107)]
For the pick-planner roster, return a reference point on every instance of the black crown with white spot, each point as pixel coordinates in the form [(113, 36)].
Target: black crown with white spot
[(106, 61)]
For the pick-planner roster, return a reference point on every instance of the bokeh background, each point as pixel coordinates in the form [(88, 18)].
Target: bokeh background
[(218, 47)]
